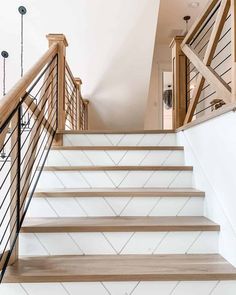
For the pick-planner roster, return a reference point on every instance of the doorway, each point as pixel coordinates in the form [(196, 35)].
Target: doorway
[(167, 100)]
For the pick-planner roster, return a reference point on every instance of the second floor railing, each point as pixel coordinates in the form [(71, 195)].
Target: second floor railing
[(46, 100), (204, 64)]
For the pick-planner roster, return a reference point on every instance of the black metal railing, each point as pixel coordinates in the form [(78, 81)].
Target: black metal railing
[(25, 140)]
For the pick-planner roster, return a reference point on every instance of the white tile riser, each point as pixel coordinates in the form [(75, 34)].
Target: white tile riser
[(115, 158), (120, 139), (118, 243), (115, 206), (115, 179), (123, 288)]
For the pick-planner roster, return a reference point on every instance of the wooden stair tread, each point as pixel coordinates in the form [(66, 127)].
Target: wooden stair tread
[(118, 224), (113, 168), (120, 268), (116, 131), (114, 148), (140, 192)]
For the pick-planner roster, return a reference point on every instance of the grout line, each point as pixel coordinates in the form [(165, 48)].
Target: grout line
[(185, 203), (137, 144), (175, 287), (104, 286), (81, 206), (126, 205), (173, 180), (145, 156), (165, 160), (194, 241), (42, 244), (23, 288), (61, 152), (154, 207), (69, 234), (126, 152), (48, 202), (135, 288), (149, 177), (122, 137), (58, 178), (90, 161), (64, 287), (108, 204), (157, 246), (127, 242), (84, 178), (214, 288), (105, 237)]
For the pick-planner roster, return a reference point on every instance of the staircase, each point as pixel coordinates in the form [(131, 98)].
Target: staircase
[(117, 213)]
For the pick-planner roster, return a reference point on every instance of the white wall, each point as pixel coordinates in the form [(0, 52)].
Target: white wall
[(111, 49), (210, 147)]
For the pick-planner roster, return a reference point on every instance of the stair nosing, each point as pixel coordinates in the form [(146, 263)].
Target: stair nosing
[(119, 192), (116, 147), (83, 268), (121, 168), (118, 224), (169, 131)]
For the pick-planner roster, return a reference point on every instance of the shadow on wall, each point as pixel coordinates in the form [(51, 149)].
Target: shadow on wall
[(118, 101)]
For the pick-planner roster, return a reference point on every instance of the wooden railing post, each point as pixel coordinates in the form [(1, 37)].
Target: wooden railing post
[(86, 122), (233, 25), (78, 105), (179, 63), (60, 39)]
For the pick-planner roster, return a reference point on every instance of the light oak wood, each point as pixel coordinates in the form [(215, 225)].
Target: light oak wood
[(199, 21), (222, 88), (146, 192), (3, 135), (4, 257), (61, 42), (34, 109), (233, 28), (13, 188), (115, 131), (118, 224), (198, 267), (209, 54), (179, 88), (9, 102), (118, 168), (118, 148)]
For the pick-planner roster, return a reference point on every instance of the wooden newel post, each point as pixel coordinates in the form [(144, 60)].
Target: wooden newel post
[(179, 64), (78, 105), (86, 122), (60, 39)]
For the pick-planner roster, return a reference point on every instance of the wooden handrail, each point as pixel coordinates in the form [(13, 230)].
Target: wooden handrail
[(9, 102), (40, 104)]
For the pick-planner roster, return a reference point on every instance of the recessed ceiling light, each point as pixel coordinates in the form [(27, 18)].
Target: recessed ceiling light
[(194, 4)]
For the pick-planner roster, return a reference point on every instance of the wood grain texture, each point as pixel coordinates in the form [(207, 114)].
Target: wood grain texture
[(120, 268), (118, 168), (147, 192), (118, 148), (9, 102), (117, 224)]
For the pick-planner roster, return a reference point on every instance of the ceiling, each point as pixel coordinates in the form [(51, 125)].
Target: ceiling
[(170, 20)]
